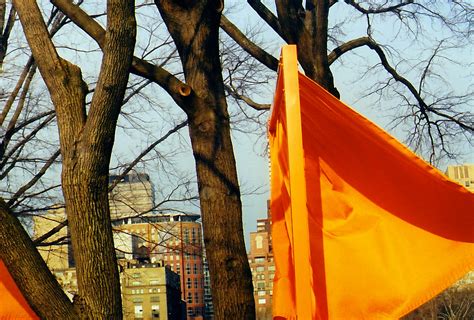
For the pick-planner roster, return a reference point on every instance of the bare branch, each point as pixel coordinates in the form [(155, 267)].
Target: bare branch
[(32, 182), (345, 47), (247, 100), (267, 16), (424, 107), (378, 9), (146, 151), (5, 33), (38, 241), (256, 51), (14, 93), (159, 75)]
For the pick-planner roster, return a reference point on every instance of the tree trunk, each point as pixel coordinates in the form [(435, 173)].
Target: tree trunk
[(29, 270), (308, 29), (86, 145), (194, 27)]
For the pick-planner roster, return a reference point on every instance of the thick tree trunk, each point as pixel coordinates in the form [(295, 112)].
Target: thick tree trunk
[(29, 270), (308, 29), (86, 145), (194, 28)]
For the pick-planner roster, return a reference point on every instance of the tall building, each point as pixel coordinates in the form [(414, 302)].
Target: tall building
[(463, 174), (175, 239), (262, 267), (132, 195)]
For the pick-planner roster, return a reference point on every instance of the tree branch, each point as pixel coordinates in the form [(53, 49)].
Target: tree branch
[(380, 9), (345, 47), (145, 152), (247, 100), (423, 106), (254, 50), (6, 33), (267, 16), (175, 88), (43, 170)]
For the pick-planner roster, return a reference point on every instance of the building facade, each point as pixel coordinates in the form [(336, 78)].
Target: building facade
[(263, 267), (56, 255), (175, 239), (132, 195), (151, 291), (462, 174)]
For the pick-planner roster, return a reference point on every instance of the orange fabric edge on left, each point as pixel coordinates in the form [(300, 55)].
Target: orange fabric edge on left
[(12, 303)]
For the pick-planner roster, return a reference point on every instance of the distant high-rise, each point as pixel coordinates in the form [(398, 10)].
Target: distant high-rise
[(142, 235), (463, 174), (175, 239), (132, 195), (262, 267)]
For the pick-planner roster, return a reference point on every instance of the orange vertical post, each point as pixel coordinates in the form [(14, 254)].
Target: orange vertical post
[(299, 212)]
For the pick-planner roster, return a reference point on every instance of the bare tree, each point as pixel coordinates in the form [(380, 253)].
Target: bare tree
[(436, 116), (199, 90), (86, 142)]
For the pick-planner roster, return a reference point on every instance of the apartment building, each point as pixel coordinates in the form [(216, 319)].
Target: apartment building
[(262, 267)]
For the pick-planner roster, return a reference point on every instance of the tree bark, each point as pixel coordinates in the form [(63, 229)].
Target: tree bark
[(29, 270), (194, 27), (308, 29), (86, 144)]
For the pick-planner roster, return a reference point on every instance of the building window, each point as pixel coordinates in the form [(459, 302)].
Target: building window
[(190, 297), (195, 269), (154, 282), (188, 268), (262, 301), (138, 311), (261, 285), (271, 268), (261, 293), (196, 283), (136, 283), (155, 311), (259, 242), (136, 275), (259, 259), (188, 283), (154, 299), (186, 235), (196, 297), (137, 300), (260, 269), (260, 277)]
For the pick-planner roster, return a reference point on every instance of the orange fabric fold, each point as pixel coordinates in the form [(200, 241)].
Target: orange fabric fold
[(385, 232), (12, 303)]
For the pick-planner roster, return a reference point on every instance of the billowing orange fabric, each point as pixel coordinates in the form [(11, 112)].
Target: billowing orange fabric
[(362, 227), (12, 303)]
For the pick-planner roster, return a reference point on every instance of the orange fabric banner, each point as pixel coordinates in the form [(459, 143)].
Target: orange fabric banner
[(362, 227), (12, 303)]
